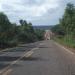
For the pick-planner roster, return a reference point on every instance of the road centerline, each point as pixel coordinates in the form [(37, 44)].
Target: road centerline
[(25, 54)]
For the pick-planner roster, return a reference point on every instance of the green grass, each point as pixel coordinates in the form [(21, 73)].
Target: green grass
[(67, 41)]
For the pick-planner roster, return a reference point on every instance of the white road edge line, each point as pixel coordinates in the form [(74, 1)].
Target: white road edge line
[(69, 51), (14, 62)]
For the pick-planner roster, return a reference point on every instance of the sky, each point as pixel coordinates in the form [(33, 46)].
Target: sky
[(38, 12)]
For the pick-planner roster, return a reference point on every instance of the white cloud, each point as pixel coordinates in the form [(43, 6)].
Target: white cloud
[(19, 9), (34, 10)]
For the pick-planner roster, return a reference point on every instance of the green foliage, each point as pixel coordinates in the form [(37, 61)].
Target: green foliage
[(26, 33), (68, 20), (40, 34), (67, 24), (69, 42), (5, 29), (57, 29), (13, 34)]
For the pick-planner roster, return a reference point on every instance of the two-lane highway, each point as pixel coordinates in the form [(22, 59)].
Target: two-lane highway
[(9, 57), (42, 58)]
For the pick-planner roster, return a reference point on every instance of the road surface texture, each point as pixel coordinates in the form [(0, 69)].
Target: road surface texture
[(40, 58)]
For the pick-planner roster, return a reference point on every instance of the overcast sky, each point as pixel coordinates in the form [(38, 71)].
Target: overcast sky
[(39, 12)]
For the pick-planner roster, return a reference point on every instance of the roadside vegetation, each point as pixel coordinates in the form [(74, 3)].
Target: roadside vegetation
[(65, 30), (12, 34)]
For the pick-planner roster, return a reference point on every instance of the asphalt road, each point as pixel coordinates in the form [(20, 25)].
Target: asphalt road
[(40, 58)]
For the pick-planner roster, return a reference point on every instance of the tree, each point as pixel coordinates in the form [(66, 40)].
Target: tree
[(12, 34), (5, 26), (57, 29), (26, 32), (67, 22), (39, 34)]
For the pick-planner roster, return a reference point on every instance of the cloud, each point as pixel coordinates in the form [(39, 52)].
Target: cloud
[(27, 8), (36, 11)]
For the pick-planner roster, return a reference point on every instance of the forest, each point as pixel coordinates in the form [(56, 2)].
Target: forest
[(12, 34), (65, 30)]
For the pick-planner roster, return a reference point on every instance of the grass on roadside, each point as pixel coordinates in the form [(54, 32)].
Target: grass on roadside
[(67, 41)]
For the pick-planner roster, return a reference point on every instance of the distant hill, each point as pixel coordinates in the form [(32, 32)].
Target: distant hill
[(42, 27)]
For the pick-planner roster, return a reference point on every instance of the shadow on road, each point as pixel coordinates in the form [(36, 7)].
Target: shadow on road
[(8, 58), (28, 46), (44, 47), (3, 65), (17, 50), (33, 59), (30, 59)]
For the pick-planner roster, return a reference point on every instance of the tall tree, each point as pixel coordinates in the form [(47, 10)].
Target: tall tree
[(67, 21), (5, 29)]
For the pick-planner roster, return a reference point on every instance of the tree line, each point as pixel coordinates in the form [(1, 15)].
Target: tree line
[(65, 30), (12, 34), (66, 24)]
